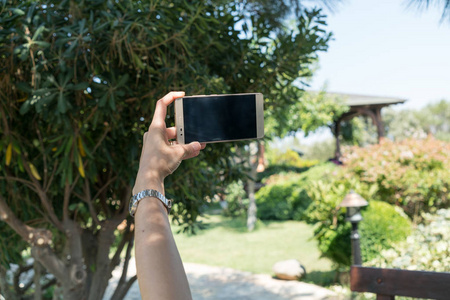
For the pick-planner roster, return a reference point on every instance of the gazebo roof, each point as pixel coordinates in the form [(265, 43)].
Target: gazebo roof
[(363, 100)]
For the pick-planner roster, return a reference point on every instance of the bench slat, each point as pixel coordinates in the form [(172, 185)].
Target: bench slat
[(396, 282)]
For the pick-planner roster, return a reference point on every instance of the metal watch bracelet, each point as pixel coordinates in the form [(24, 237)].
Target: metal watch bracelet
[(134, 201)]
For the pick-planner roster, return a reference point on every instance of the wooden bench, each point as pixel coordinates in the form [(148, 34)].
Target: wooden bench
[(388, 283)]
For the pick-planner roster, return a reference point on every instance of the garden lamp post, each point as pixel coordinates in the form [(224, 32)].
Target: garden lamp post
[(353, 202)]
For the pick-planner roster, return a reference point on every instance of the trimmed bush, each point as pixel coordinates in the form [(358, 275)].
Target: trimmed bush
[(285, 195), (282, 201), (292, 159), (382, 226)]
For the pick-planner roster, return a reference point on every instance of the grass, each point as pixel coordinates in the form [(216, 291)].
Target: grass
[(227, 243)]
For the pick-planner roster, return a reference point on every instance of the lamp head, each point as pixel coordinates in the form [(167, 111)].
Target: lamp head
[(353, 202), (353, 199)]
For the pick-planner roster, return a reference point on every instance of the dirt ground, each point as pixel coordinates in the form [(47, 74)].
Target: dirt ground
[(218, 283)]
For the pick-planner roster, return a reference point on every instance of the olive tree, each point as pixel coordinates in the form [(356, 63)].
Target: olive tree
[(78, 85)]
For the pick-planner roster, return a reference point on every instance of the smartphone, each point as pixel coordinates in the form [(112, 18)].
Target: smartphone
[(219, 118)]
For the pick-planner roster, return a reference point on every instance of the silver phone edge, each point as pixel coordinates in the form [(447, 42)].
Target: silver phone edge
[(179, 120), (259, 115)]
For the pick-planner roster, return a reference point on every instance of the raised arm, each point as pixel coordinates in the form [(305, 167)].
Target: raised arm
[(160, 270)]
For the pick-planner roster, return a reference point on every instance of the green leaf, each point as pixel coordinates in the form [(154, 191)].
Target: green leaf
[(62, 104), (42, 44), (68, 146), (31, 12), (138, 62), (103, 100), (123, 80), (17, 11), (44, 101), (37, 33), (24, 86), (25, 107), (80, 86), (112, 102)]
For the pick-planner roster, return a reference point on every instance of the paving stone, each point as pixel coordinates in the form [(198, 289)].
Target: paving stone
[(219, 283)]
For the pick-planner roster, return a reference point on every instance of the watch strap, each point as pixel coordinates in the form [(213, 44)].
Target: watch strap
[(135, 199)]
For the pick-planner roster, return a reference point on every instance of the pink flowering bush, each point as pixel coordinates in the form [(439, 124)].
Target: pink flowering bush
[(413, 174)]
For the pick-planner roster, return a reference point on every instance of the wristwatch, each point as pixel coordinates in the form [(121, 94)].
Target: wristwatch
[(134, 201)]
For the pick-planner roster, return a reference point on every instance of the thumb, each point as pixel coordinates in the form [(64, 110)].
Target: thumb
[(191, 150)]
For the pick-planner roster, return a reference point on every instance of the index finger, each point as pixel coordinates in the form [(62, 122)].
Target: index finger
[(161, 108)]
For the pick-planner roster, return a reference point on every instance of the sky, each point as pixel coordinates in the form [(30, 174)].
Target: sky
[(383, 48)]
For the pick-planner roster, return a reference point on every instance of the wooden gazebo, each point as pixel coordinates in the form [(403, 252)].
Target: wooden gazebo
[(362, 105)]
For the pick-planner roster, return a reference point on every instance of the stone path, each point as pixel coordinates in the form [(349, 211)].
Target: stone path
[(218, 283)]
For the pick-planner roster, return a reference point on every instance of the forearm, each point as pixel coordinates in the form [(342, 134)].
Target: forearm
[(159, 267), (160, 271)]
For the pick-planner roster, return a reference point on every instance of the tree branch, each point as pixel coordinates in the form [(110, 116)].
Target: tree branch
[(5, 123), (29, 184), (51, 262), (101, 139), (124, 203), (121, 291), (49, 183), (111, 180), (123, 278), (49, 284), (41, 144), (39, 239), (6, 215), (43, 196), (127, 237), (16, 279), (4, 286), (66, 201), (88, 201)]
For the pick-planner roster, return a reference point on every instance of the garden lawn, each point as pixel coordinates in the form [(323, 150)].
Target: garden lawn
[(226, 243)]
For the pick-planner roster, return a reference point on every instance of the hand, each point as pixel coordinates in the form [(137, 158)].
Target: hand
[(159, 157)]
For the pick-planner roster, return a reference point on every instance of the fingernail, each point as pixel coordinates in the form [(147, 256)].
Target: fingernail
[(196, 146)]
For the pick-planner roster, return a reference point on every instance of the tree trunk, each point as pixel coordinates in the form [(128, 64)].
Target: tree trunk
[(123, 285), (252, 209), (4, 286), (37, 280), (102, 272), (122, 290)]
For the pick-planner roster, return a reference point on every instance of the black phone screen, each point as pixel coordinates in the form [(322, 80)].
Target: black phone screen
[(218, 118)]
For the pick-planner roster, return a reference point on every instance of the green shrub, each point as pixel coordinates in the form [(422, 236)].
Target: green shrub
[(279, 170), (335, 243), (290, 158), (285, 195), (236, 198), (427, 248), (331, 230), (287, 162), (382, 225), (283, 200)]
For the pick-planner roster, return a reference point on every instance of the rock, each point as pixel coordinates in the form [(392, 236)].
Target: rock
[(290, 269)]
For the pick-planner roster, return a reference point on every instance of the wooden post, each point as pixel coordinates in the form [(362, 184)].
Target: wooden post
[(337, 132), (380, 127)]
